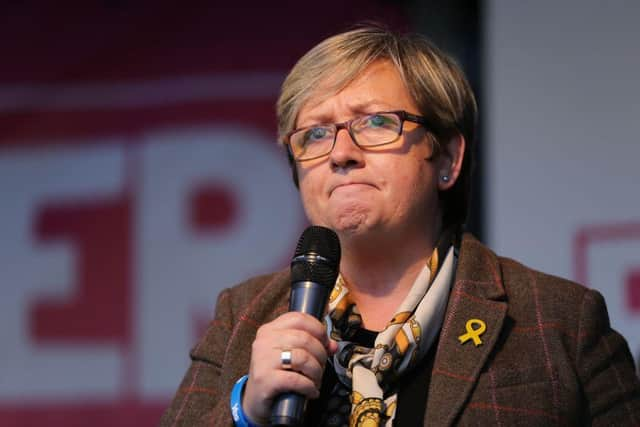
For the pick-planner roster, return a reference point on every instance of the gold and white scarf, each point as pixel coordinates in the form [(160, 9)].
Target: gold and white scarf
[(370, 373)]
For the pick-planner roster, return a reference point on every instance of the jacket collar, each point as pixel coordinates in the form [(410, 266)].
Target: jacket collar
[(477, 293)]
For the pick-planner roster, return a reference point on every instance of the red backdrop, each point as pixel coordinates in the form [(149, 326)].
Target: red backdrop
[(137, 164)]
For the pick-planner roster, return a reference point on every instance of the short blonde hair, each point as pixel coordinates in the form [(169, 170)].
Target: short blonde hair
[(434, 80)]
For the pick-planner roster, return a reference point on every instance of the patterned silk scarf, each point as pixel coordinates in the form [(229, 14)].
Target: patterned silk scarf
[(369, 374)]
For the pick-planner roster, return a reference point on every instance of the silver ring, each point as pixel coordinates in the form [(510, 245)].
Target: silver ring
[(285, 360)]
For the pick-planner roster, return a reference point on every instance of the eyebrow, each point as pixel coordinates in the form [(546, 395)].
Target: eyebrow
[(368, 107)]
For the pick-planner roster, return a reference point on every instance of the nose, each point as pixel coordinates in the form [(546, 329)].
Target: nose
[(345, 153)]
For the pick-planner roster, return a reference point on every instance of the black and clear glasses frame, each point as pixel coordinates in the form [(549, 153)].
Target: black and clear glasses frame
[(336, 127)]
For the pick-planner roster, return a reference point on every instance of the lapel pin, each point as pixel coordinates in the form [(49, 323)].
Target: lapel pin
[(473, 333)]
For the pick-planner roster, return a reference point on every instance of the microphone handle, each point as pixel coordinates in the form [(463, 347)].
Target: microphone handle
[(310, 298), (288, 410)]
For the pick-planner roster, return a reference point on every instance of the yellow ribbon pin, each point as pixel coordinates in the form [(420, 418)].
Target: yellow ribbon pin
[(473, 333)]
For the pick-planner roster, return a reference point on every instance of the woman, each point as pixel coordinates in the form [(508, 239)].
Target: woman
[(424, 325)]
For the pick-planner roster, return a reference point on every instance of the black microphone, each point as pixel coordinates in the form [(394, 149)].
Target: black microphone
[(314, 270)]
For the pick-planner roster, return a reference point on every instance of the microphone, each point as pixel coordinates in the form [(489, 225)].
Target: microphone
[(314, 270)]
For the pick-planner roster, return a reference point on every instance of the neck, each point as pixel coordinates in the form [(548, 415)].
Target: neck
[(381, 273)]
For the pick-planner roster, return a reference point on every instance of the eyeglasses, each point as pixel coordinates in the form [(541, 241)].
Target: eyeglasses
[(371, 130)]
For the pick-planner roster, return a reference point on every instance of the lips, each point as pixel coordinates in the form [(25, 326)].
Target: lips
[(348, 184)]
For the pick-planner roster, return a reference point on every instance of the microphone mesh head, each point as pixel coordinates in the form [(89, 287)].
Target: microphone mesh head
[(317, 257)]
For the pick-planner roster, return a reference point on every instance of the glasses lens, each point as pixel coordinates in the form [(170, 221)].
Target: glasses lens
[(312, 142), (377, 129)]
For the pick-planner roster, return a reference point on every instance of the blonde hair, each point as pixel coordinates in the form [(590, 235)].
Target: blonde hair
[(433, 79)]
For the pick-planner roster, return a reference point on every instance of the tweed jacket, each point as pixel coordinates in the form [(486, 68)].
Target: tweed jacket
[(548, 354)]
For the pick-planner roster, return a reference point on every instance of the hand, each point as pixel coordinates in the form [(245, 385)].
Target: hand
[(307, 340)]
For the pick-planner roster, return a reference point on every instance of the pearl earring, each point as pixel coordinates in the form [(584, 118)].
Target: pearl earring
[(445, 178)]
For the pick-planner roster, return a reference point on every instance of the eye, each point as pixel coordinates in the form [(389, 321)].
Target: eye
[(379, 121), (316, 134)]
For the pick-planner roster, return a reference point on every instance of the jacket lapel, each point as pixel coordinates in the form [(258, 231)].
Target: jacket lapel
[(478, 294)]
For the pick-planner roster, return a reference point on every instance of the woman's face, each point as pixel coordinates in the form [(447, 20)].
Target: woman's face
[(378, 190)]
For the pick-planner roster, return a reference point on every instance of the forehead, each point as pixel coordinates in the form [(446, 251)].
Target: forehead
[(377, 87)]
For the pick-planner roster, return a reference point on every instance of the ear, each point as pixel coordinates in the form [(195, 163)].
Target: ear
[(449, 163)]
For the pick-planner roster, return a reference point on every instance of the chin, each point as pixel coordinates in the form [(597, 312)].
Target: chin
[(349, 227), (354, 219)]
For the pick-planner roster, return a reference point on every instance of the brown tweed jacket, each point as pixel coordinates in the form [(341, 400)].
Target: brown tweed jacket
[(548, 355)]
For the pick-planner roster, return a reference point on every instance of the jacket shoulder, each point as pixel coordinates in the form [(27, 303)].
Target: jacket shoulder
[(533, 297), (239, 311), (518, 278), (256, 297)]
